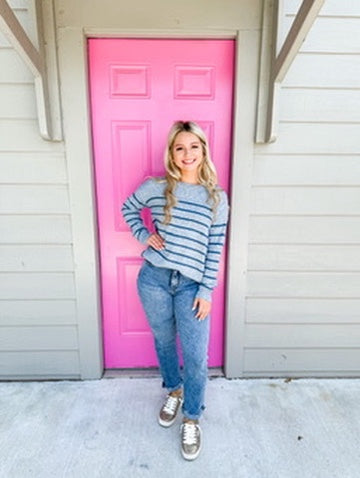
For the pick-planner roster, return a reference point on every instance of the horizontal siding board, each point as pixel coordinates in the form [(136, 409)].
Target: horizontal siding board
[(330, 7), (314, 138), (344, 35), (34, 285), (27, 168), (23, 135), (43, 364), (22, 229), (37, 312), (305, 200), (14, 69), (34, 199), (324, 71), (302, 336), (287, 257), (321, 105), (282, 310), (302, 229), (272, 170), (18, 101), (35, 258), (302, 360), (38, 338), (304, 284), (4, 43)]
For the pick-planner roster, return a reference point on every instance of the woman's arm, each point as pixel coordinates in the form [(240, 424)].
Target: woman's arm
[(131, 210), (216, 243)]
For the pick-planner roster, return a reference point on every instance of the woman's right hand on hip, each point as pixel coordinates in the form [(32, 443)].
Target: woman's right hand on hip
[(156, 241)]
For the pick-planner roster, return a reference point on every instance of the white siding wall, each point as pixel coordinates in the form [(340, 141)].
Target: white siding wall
[(303, 281), (38, 325), (303, 298)]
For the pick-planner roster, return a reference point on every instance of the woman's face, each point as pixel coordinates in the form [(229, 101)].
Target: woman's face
[(187, 152)]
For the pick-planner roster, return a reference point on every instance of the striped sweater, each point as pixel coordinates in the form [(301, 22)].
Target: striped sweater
[(193, 241)]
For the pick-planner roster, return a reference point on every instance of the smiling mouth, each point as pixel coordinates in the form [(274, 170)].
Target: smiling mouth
[(189, 161)]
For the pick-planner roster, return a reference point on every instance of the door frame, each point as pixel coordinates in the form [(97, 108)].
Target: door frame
[(73, 63)]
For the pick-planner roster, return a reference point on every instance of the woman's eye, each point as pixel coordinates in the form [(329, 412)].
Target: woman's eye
[(178, 149)]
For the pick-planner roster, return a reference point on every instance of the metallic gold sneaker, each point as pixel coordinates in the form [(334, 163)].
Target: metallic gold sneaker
[(190, 440), (169, 410)]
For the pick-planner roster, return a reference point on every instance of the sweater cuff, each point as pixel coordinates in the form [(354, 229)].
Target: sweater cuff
[(204, 293), (144, 236)]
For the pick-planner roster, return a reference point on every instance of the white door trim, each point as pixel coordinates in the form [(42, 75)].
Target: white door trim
[(77, 128)]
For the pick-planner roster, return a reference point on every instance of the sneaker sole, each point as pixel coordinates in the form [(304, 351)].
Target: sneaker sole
[(190, 457), (165, 424)]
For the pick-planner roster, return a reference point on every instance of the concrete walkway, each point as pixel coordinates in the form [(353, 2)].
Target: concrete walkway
[(252, 428)]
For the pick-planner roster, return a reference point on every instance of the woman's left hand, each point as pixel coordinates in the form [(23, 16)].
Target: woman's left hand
[(203, 308)]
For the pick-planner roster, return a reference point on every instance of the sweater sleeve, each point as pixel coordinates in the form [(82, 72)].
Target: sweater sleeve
[(132, 208), (216, 243)]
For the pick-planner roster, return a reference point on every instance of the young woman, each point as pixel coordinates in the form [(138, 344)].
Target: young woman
[(175, 282)]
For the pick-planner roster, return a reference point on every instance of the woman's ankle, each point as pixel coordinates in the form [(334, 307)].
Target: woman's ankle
[(189, 420), (176, 393)]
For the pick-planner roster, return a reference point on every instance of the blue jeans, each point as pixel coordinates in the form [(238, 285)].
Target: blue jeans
[(167, 297)]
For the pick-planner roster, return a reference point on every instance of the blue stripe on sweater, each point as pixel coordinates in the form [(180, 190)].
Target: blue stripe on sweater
[(128, 213), (137, 232), (218, 225), (176, 262), (131, 202), (182, 219), (184, 255), (194, 204), (177, 226), (210, 277), (217, 235), (168, 233), (191, 211), (215, 261), (131, 222), (182, 209), (187, 247), (208, 208), (140, 202)]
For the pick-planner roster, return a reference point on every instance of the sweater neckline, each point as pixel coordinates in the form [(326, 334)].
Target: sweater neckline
[(189, 184)]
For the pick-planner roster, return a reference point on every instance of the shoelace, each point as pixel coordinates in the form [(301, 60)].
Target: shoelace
[(170, 404), (189, 433)]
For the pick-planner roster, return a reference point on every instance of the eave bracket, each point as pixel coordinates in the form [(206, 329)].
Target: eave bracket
[(275, 60), (41, 61)]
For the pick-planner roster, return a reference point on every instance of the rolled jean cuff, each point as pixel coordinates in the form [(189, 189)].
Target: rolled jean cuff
[(192, 416), (172, 389)]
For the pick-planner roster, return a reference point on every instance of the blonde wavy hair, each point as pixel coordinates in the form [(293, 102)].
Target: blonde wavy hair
[(206, 174)]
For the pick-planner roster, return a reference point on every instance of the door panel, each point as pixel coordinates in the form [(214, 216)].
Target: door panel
[(138, 88)]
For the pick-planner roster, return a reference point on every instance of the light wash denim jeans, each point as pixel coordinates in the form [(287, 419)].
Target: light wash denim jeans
[(167, 297)]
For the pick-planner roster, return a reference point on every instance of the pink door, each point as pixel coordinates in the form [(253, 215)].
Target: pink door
[(138, 88)]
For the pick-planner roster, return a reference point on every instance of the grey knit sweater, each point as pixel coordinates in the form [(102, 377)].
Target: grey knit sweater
[(193, 240)]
